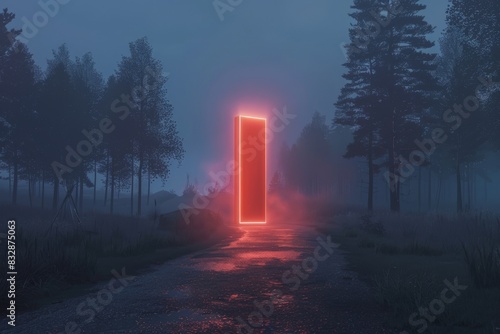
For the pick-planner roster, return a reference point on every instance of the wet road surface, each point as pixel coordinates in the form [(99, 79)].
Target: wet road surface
[(270, 280)]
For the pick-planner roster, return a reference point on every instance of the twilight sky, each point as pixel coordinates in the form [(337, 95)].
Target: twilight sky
[(263, 55)]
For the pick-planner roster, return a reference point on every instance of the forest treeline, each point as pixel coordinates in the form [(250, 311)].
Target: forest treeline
[(410, 113), (69, 128), (409, 108)]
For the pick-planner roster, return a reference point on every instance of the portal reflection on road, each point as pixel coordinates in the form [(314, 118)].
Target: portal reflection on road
[(252, 249)]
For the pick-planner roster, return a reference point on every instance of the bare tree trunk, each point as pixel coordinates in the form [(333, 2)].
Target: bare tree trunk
[(459, 188), (80, 203), (10, 181), (474, 186), (112, 199), (469, 187), (15, 183), (398, 196), (459, 178), (77, 193), (370, 172), (43, 189), (394, 191), (95, 180), (438, 197), (106, 182), (485, 192), (33, 186), (429, 189), (149, 185), (139, 184), (55, 195), (132, 190), (419, 188), (30, 192)]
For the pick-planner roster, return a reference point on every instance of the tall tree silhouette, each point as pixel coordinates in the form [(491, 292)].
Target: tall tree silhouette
[(405, 86), (155, 138), (18, 111), (474, 29), (57, 114), (88, 87), (7, 39), (358, 103), (115, 162), (309, 166), (7, 36)]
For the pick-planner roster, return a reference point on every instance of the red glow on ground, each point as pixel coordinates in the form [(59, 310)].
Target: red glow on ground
[(250, 156)]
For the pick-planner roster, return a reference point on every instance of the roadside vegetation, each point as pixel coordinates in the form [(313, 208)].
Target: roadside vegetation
[(55, 263), (407, 258)]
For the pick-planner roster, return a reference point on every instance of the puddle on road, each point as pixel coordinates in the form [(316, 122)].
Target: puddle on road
[(255, 235), (244, 260), (214, 266), (254, 249), (280, 255)]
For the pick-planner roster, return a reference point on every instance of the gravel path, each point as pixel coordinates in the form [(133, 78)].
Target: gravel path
[(270, 280)]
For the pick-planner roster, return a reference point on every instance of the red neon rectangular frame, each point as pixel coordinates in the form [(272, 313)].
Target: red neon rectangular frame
[(250, 181)]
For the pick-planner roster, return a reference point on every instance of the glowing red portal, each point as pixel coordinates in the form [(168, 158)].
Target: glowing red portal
[(250, 181)]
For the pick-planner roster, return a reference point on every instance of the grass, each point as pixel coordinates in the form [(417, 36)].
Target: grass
[(406, 260), (56, 263), (482, 254)]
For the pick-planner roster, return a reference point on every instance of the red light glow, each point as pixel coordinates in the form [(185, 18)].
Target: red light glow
[(250, 182)]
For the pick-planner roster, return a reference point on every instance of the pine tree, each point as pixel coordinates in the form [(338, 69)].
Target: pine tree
[(390, 84), (473, 35), (405, 87), (358, 103)]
